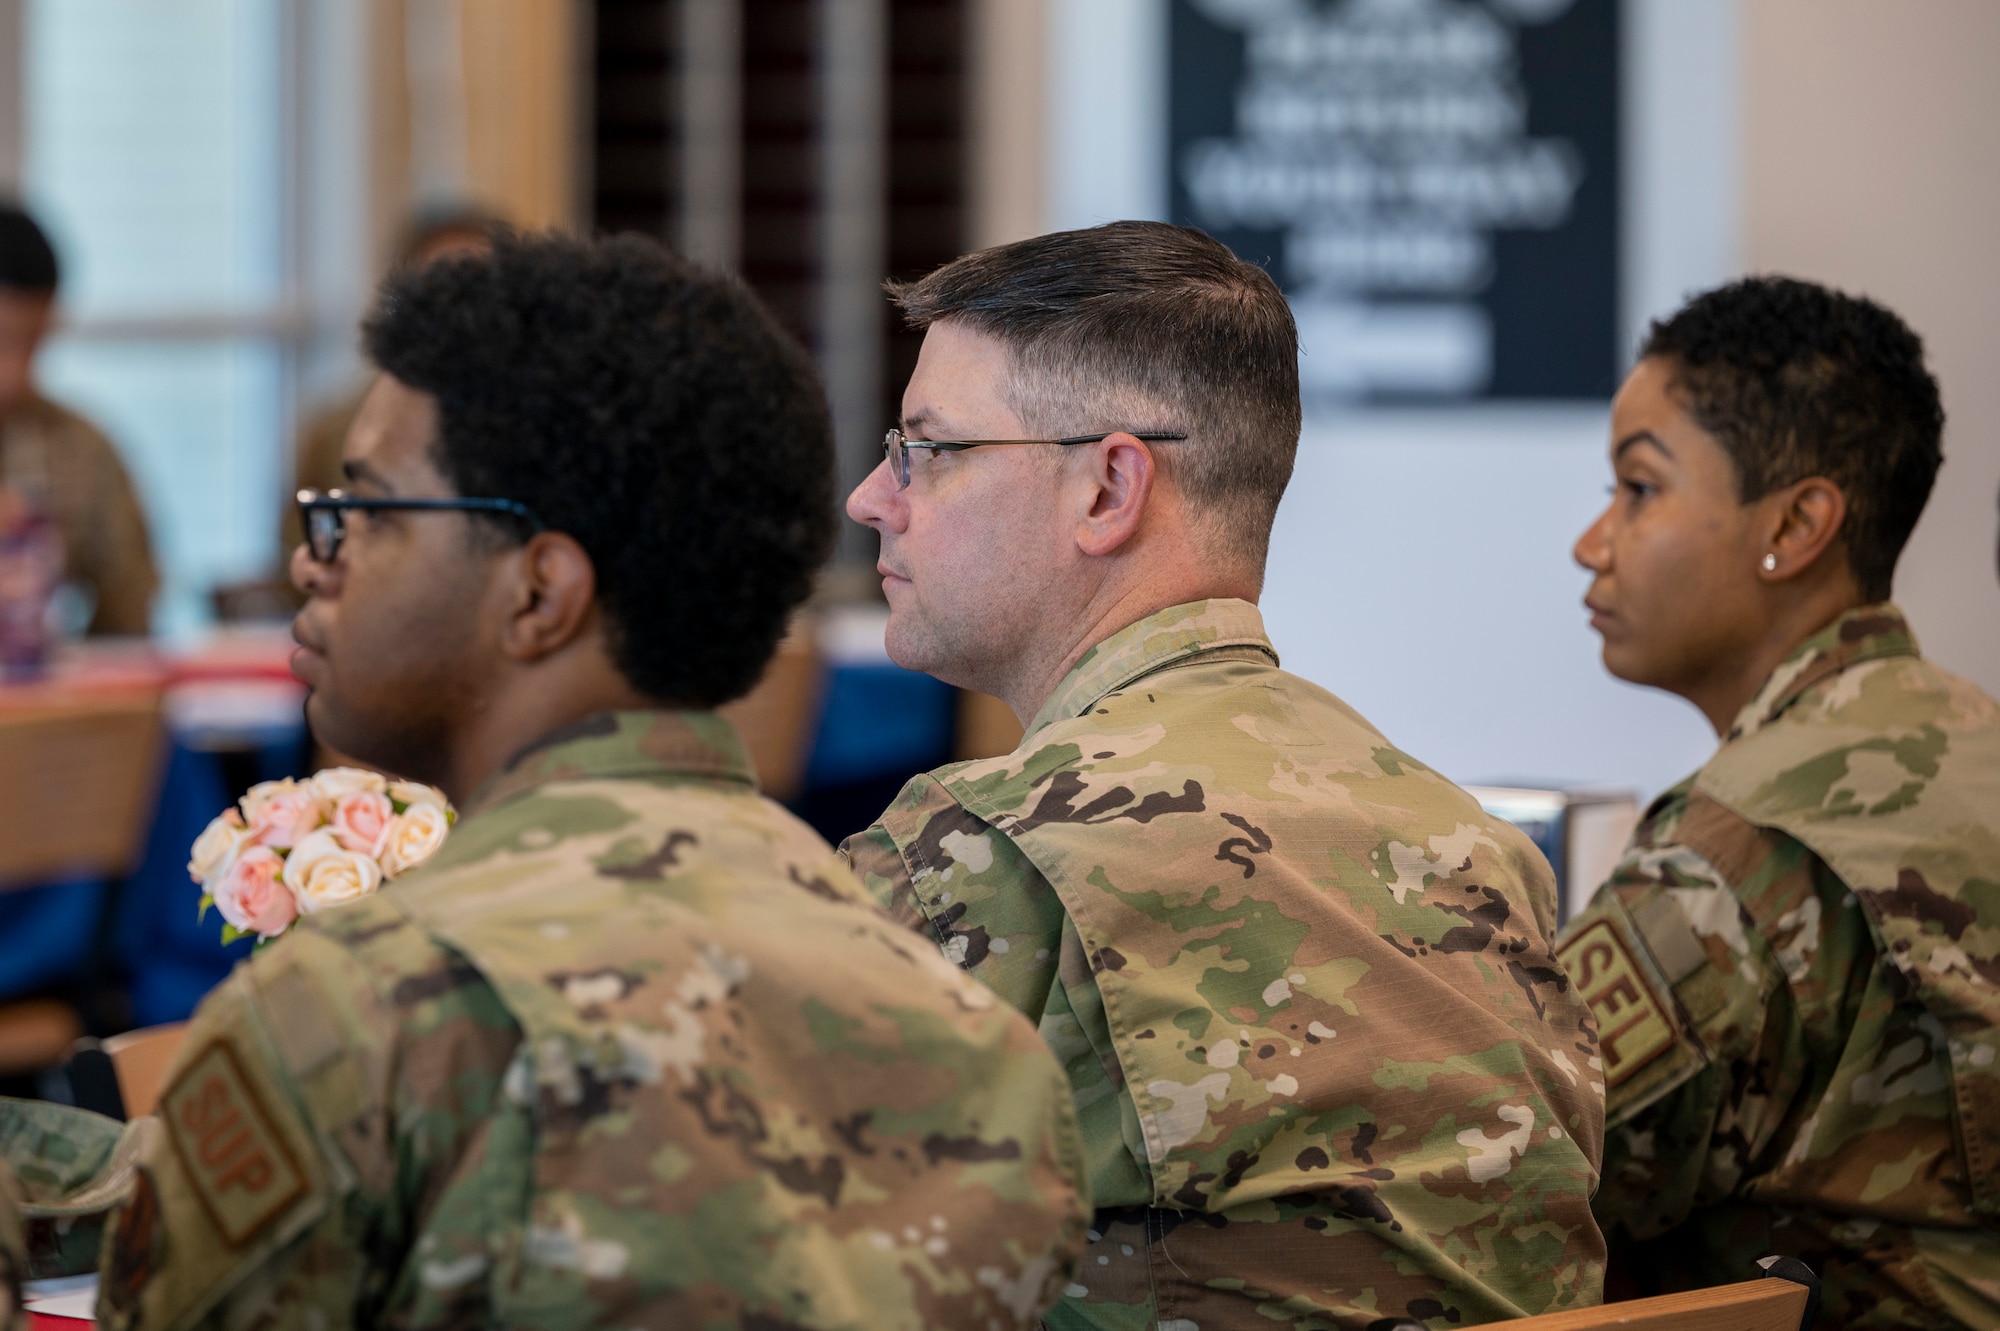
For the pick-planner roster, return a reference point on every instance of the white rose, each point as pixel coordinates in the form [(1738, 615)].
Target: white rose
[(217, 847), (333, 782), (334, 879), (263, 793), (414, 793), (414, 837), (311, 847)]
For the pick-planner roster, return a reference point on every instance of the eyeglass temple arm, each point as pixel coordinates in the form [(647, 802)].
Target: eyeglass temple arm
[(960, 445), (336, 499)]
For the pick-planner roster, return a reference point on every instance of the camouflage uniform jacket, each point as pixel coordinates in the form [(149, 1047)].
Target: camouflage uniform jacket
[(1794, 970), (70, 471), (13, 1253), (633, 1050), (1327, 1067)]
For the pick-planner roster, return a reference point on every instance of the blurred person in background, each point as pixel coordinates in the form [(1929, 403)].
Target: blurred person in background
[(1796, 966), (58, 463), (634, 1048), (1304, 986)]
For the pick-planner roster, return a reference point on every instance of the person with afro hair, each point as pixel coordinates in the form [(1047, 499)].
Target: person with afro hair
[(633, 1049), (1795, 967)]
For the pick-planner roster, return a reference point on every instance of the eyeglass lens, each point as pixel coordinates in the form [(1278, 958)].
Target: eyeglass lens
[(899, 458), (324, 528)]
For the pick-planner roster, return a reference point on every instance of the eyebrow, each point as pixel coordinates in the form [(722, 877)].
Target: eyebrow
[(1639, 437), (923, 419), (360, 473)]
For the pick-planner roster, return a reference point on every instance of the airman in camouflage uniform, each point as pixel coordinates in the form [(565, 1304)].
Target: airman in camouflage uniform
[(633, 1050), (1796, 974), (1794, 966), (1327, 1067)]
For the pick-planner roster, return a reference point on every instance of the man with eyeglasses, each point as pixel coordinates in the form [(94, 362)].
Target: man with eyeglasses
[(1328, 1069), (634, 1049)]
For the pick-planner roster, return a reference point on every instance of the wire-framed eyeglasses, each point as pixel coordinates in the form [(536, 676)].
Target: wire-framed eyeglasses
[(323, 515), (896, 446)]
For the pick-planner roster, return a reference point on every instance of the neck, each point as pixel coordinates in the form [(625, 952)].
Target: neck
[(1112, 609), (1729, 686), (522, 710)]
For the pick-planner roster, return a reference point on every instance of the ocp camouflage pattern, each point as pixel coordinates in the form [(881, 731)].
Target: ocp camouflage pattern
[(633, 1050), (69, 1167), (1816, 914), (13, 1252), (1328, 1068)]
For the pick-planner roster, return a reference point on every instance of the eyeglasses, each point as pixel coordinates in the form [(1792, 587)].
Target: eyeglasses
[(896, 447), (323, 514)]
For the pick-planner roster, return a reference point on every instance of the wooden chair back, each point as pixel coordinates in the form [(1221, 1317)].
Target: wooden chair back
[(77, 777), (1754, 1305), (142, 1059)]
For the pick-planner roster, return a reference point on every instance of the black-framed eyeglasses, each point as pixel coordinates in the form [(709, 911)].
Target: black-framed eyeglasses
[(896, 446), (323, 514)]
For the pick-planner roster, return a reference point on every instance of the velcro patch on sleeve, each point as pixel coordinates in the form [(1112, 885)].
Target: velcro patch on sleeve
[(237, 1161), (1633, 1026)]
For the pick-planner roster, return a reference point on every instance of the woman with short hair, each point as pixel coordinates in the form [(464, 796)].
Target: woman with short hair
[(1795, 968)]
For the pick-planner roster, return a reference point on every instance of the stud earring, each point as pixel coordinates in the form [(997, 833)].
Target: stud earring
[(1770, 563)]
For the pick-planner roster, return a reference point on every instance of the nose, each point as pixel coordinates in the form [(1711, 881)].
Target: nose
[(1593, 549), (877, 503)]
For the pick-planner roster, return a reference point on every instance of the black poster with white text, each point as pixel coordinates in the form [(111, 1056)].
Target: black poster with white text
[(1434, 183)]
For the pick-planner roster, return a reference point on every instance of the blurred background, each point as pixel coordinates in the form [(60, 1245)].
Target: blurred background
[(1475, 206)]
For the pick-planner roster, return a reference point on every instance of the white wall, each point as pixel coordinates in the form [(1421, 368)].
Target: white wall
[(1872, 139), (1420, 569)]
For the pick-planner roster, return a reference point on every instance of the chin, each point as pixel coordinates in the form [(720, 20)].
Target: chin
[(905, 648), (1624, 663)]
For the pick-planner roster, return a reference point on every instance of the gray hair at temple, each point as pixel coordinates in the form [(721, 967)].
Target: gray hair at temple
[(1143, 326)]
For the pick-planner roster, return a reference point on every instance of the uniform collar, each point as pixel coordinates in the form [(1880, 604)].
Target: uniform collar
[(623, 745), (1159, 640), (1866, 633)]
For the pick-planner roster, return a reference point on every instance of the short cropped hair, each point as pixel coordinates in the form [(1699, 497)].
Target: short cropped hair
[(1797, 380), (649, 408), (27, 260), (1143, 326)]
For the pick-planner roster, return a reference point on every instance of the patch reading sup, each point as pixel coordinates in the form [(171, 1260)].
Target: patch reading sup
[(239, 1165), (1632, 1024)]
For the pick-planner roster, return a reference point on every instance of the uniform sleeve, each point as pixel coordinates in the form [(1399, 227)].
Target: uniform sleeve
[(236, 1187), (936, 867), (939, 869), (1702, 1054), (326, 1156)]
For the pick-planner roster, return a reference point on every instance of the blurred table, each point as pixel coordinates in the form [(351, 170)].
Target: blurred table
[(79, 758), (111, 763)]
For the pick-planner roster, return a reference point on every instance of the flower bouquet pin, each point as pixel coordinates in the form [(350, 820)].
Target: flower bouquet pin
[(292, 848)]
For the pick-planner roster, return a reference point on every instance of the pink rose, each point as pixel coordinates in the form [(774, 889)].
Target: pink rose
[(361, 822), (251, 896), (284, 818)]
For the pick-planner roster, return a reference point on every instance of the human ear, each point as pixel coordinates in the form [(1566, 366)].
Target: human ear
[(551, 594), (1120, 474), (1802, 520)]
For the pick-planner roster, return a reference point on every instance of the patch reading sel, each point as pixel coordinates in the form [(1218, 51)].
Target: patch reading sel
[(240, 1167), (1632, 1024)]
